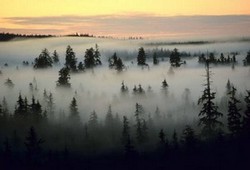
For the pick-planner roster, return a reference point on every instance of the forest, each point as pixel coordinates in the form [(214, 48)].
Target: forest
[(55, 122)]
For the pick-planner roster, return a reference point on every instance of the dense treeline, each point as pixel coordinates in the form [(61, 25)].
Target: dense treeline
[(32, 136), (10, 36)]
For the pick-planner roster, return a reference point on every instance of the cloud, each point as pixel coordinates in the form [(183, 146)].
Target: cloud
[(139, 25)]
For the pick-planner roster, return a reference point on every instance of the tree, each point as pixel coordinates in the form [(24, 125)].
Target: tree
[(44, 60), (125, 130), (164, 84), (74, 114), (209, 113), (140, 124), (93, 122), (109, 119), (20, 109), (70, 59), (234, 116), (119, 65), (188, 137), (80, 66), (175, 59), (113, 60), (124, 89), (246, 117), (175, 140), (55, 57), (162, 137), (246, 61), (141, 58), (89, 58), (33, 145), (64, 76), (97, 55), (155, 59)]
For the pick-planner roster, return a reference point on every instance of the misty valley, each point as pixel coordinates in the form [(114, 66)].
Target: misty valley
[(102, 103)]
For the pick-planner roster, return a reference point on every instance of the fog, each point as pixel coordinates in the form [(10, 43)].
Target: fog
[(98, 88)]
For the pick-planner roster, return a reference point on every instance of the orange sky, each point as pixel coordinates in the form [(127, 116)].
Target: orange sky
[(53, 8)]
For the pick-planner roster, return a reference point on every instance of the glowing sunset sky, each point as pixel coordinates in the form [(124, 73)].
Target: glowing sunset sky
[(126, 17)]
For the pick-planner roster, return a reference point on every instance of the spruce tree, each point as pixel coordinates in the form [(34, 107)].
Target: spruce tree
[(209, 113), (141, 58), (155, 59), (234, 116), (74, 117), (109, 119), (33, 145), (140, 124), (125, 130), (55, 57), (189, 138), (44, 60), (175, 59), (246, 117), (97, 56), (89, 58), (70, 59), (64, 76)]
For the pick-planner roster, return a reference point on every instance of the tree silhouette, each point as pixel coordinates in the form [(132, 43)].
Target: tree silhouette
[(155, 59), (175, 59), (70, 59), (209, 114), (64, 76), (113, 60), (175, 142), (246, 117), (124, 89), (44, 60), (234, 116), (189, 138), (89, 58), (55, 57), (119, 65), (80, 66), (33, 146), (140, 124), (164, 84), (74, 117), (125, 130), (246, 61), (97, 55), (109, 119), (141, 58)]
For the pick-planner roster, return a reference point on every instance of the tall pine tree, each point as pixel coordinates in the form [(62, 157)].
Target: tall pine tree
[(209, 113)]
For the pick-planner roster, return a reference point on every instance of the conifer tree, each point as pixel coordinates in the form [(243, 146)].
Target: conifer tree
[(125, 130), (140, 124), (74, 117), (109, 119), (175, 141), (70, 59), (189, 137), (33, 145), (175, 59), (44, 60), (155, 60), (209, 113), (246, 117), (64, 76), (89, 58), (141, 58), (55, 57), (234, 116), (97, 55)]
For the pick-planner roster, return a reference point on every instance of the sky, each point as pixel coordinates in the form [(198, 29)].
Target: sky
[(147, 18)]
